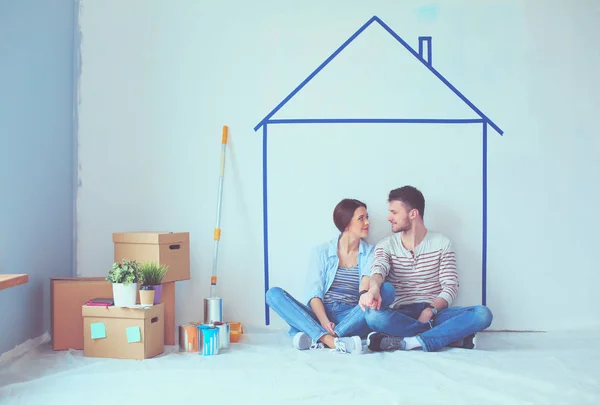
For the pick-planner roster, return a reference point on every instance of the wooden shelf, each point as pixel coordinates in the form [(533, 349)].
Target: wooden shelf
[(11, 280)]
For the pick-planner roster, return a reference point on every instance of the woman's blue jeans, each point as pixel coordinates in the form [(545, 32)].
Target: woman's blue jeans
[(349, 319)]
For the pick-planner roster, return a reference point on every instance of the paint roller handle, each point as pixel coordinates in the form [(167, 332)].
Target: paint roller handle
[(225, 133)]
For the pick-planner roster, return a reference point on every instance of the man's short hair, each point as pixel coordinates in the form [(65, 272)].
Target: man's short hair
[(411, 197)]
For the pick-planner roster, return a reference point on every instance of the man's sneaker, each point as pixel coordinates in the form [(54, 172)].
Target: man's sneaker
[(302, 341), (379, 342), (348, 345), (468, 342), (458, 343)]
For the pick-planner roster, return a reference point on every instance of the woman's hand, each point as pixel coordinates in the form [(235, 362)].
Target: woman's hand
[(329, 327), (317, 306)]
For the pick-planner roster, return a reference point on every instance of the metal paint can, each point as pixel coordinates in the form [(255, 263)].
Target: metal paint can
[(223, 334), (213, 310), (210, 339), (189, 338)]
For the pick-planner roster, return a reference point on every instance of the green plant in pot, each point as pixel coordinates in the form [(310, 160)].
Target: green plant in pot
[(153, 274), (125, 277), (147, 294)]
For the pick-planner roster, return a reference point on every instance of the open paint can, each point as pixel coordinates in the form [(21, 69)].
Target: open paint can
[(223, 334), (213, 310), (210, 339), (189, 338)]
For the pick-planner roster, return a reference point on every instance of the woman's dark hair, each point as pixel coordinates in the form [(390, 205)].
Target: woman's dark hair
[(344, 211)]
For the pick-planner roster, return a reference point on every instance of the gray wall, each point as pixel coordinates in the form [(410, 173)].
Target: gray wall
[(36, 159)]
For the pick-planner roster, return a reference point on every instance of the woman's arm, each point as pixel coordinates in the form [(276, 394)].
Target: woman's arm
[(319, 309), (364, 283), (315, 275), (365, 271)]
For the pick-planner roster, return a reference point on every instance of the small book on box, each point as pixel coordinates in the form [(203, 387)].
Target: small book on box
[(101, 302)]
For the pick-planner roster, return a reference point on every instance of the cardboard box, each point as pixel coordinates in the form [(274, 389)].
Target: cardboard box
[(168, 298), (170, 248), (123, 333), (67, 295)]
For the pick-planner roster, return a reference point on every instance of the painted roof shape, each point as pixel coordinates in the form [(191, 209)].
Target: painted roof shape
[(434, 97)]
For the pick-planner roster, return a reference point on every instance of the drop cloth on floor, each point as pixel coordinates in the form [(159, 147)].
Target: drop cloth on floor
[(263, 368)]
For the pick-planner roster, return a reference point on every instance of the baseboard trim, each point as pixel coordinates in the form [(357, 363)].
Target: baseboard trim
[(515, 331)]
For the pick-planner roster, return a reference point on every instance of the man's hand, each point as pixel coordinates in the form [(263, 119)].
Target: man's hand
[(371, 299), (426, 315), (329, 327)]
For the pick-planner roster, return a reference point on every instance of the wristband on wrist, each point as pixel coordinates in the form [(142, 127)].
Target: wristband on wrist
[(362, 292), (435, 311)]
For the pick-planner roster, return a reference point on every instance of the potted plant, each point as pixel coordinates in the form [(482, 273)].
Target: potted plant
[(147, 294), (124, 277), (153, 274)]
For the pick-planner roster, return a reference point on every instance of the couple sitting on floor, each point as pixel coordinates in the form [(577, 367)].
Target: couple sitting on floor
[(397, 294)]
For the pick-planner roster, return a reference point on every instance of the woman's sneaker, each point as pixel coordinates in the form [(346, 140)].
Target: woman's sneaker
[(349, 345), (302, 341)]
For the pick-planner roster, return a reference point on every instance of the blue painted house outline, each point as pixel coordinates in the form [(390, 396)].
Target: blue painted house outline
[(426, 61)]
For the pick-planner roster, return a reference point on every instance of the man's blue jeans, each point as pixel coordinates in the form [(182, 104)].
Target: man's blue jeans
[(450, 325), (349, 319)]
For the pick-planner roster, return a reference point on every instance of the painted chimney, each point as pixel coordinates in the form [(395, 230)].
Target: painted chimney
[(425, 49)]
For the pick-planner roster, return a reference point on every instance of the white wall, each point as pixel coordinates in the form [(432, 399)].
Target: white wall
[(160, 78)]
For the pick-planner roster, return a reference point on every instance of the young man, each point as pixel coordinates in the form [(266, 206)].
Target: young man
[(421, 266)]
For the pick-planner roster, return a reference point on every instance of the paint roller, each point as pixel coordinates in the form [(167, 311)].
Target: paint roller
[(213, 305)]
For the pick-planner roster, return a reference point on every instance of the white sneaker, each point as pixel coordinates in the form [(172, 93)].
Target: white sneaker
[(302, 341), (349, 345)]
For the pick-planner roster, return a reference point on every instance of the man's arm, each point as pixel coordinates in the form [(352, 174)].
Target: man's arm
[(440, 303), (379, 270), (375, 282), (448, 277), (381, 265), (372, 298)]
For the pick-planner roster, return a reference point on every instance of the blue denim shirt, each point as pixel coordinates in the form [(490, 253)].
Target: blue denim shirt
[(323, 265)]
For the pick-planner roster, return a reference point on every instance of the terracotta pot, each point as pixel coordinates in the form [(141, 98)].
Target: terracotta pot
[(147, 297)]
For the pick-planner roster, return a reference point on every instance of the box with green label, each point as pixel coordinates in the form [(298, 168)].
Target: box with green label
[(123, 332)]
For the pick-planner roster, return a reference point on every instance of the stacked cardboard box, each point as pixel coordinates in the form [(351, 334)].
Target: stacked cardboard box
[(170, 248), (68, 295), (123, 333)]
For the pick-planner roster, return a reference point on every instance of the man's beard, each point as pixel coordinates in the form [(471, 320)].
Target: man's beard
[(402, 228)]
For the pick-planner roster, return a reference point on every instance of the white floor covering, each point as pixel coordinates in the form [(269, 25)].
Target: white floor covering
[(263, 368)]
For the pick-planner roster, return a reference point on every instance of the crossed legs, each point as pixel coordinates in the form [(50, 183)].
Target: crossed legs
[(450, 325), (349, 319)]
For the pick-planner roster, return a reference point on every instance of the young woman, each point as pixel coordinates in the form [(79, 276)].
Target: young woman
[(339, 271)]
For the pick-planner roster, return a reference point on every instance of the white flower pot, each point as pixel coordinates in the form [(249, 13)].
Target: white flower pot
[(124, 295)]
